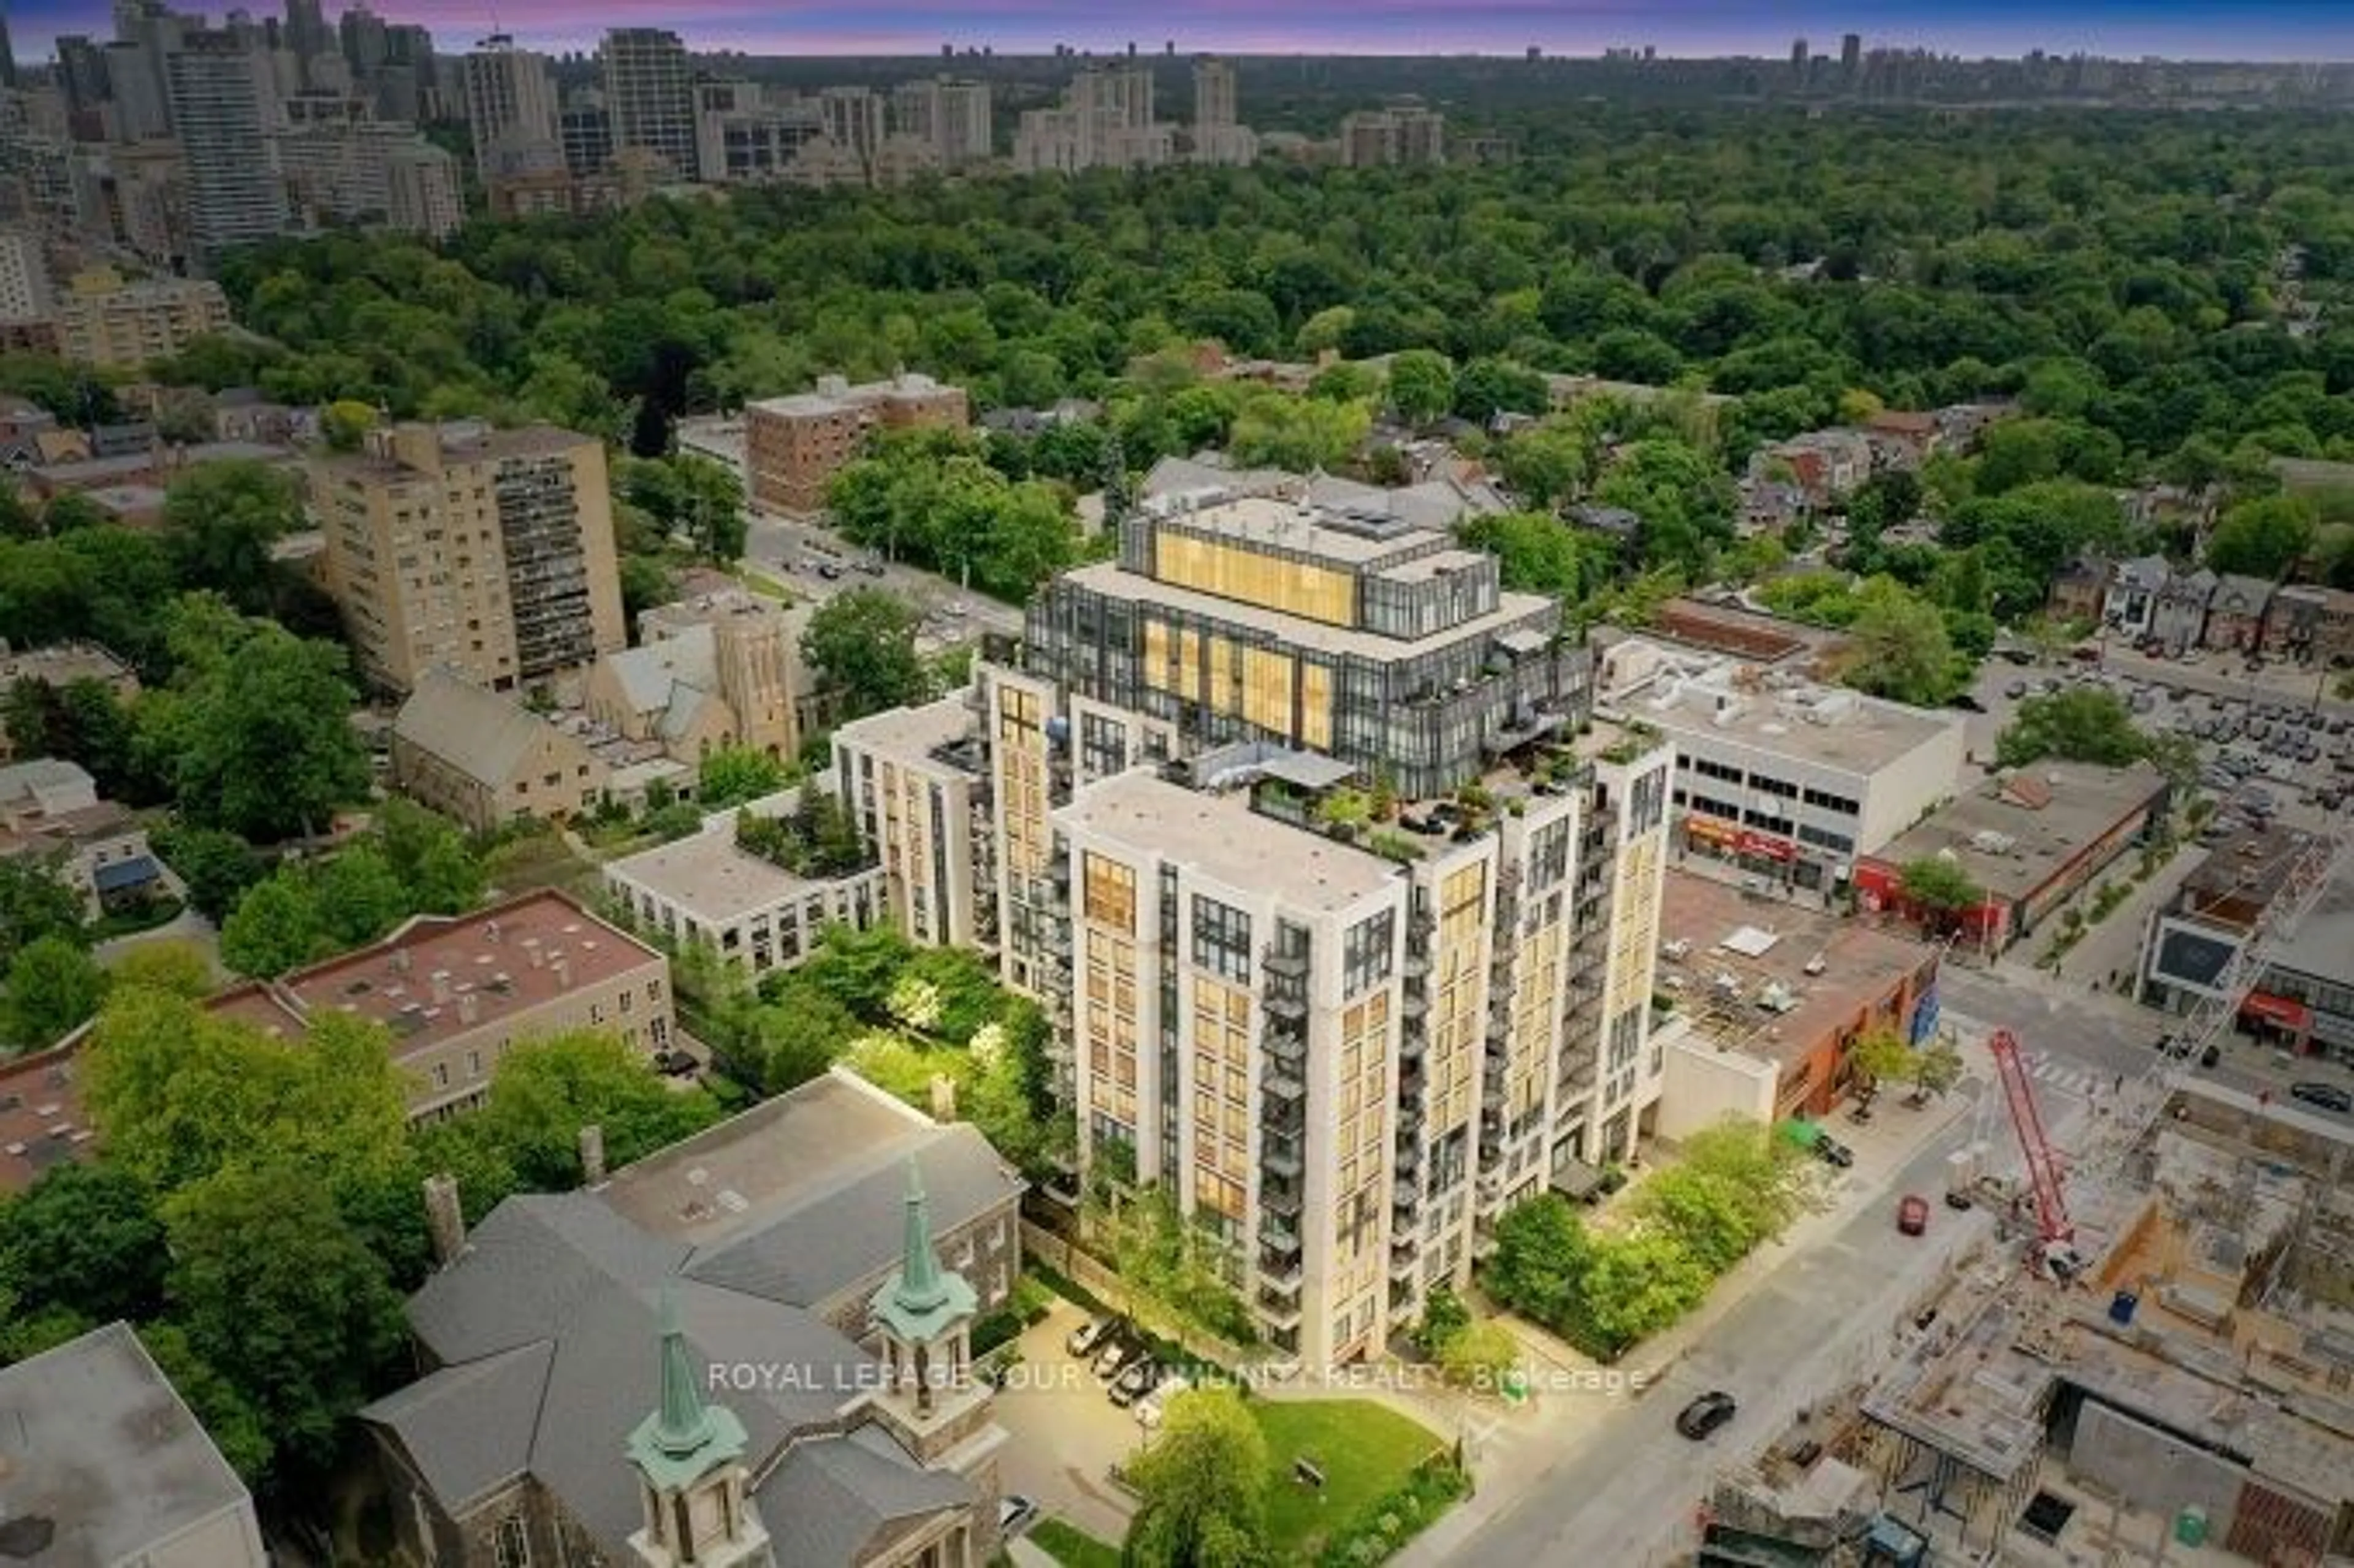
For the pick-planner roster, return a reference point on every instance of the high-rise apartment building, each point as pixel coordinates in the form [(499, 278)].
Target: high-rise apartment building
[(586, 131), (914, 781), (511, 109), (25, 293), (1403, 133), (1107, 120), (1350, 633), (1217, 135), (424, 193), (1851, 56), (305, 34), (948, 115), (224, 108), (853, 120), (650, 96), (488, 552), (105, 322)]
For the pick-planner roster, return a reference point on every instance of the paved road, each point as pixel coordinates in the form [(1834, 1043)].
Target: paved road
[(1623, 1490), (792, 550), (1623, 1495)]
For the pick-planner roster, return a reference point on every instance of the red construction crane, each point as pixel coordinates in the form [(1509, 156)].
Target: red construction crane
[(2051, 1206)]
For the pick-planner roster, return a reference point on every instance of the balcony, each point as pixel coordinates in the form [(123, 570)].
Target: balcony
[(1409, 1154), (1286, 1047), (1291, 965), (1287, 1003), (1280, 1157), (1285, 1086), (1277, 1237), (1404, 1195), (1416, 1003), (1278, 1307), (1414, 1045), (1280, 1273), (1280, 1198)]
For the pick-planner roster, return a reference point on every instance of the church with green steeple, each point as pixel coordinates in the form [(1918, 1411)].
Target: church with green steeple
[(689, 1457)]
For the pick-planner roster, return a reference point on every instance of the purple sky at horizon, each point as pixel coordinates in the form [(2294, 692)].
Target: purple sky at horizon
[(2266, 29)]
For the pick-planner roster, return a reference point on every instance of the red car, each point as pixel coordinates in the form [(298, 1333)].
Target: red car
[(1912, 1214)]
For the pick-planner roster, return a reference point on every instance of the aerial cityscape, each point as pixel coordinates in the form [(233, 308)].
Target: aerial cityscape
[(912, 788)]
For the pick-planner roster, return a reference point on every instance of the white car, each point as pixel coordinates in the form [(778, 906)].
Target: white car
[(1149, 1408)]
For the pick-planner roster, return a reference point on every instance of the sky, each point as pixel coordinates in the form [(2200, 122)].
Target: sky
[(2210, 29)]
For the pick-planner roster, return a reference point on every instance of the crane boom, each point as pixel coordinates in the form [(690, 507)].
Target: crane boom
[(2042, 1169)]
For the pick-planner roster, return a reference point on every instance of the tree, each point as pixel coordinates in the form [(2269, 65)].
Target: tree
[(799, 1036), (1541, 1260), (220, 521), (274, 928), (1421, 385), (1638, 1283), (1898, 647), (1878, 1057), (54, 985), (545, 1091), (84, 1238), (439, 872), (179, 1092), (1545, 466), (1202, 1487), (1486, 388), (1483, 1355), (731, 775), (2263, 538), (1733, 1186), (1937, 1068), (217, 865), (176, 968), (281, 1298), (2081, 723), (1444, 1316), (257, 737), (345, 423), (236, 1429), (1299, 434), (1938, 886), (864, 644), (35, 902)]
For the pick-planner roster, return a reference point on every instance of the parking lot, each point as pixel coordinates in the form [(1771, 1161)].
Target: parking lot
[(1068, 1434), (2264, 756)]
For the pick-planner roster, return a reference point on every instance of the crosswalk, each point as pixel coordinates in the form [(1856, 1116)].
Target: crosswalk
[(2063, 1077)]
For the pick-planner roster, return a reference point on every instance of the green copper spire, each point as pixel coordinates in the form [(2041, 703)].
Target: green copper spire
[(684, 1423), (921, 1299), (684, 1439), (921, 1287)]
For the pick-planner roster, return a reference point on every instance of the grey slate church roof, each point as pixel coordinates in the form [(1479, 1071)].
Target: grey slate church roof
[(545, 1329)]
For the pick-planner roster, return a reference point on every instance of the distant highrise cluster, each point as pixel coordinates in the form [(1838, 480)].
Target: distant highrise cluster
[(1405, 131), (1109, 120), (177, 140)]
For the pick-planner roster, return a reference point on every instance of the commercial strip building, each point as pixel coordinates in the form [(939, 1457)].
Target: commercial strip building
[(1790, 779), (105, 1463), (2303, 997), (748, 911), (791, 1294), (490, 552), (2028, 840), (2198, 1374), (1770, 997), (794, 445)]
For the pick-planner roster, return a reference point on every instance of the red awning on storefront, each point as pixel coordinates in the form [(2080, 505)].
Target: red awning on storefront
[(2280, 1009), (1765, 846)]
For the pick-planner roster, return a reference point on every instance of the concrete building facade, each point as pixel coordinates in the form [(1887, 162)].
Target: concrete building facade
[(914, 781), (1790, 779), (510, 106), (488, 552), (748, 913), (649, 94), (105, 322)]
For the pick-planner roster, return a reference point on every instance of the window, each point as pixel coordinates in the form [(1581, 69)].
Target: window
[(1839, 803), (1365, 953), (1222, 938), (512, 1542), (1109, 892), (625, 1001), (1781, 787), (440, 1075)]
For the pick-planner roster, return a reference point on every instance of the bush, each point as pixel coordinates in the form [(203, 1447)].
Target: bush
[(1379, 1532)]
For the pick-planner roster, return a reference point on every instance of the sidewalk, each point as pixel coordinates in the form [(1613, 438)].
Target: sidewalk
[(1513, 1454)]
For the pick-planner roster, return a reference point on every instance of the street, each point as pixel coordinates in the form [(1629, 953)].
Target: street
[(793, 551), (1623, 1487)]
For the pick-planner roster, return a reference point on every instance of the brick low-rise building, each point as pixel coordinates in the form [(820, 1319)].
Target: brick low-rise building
[(794, 445), (2310, 624), (482, 758)]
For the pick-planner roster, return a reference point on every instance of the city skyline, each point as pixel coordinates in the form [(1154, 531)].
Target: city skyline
[(2277, 30)]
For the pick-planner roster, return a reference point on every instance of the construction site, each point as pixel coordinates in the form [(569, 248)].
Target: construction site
[(2147, 1356)]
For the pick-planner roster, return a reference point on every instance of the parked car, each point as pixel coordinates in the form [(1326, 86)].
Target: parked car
[(2015, 691), (1090, 1337), (872, 569), (2328, 1096), (1115, 1357), (1149, 1408), (1705, 1414), (1832, 1151), (1015, 1513), (830, 572), (1135, 1381), (1912, 1214), (676, 1064)]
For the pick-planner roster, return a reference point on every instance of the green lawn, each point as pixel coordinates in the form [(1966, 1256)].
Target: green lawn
[(1072, 1547), (1365, 1450)]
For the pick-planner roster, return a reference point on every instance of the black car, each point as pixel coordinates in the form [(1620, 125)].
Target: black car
[(1832, 1151), (1705, 1414), (830, 572), (1135, 1381), (2328, 1096), (1090, 1337)]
